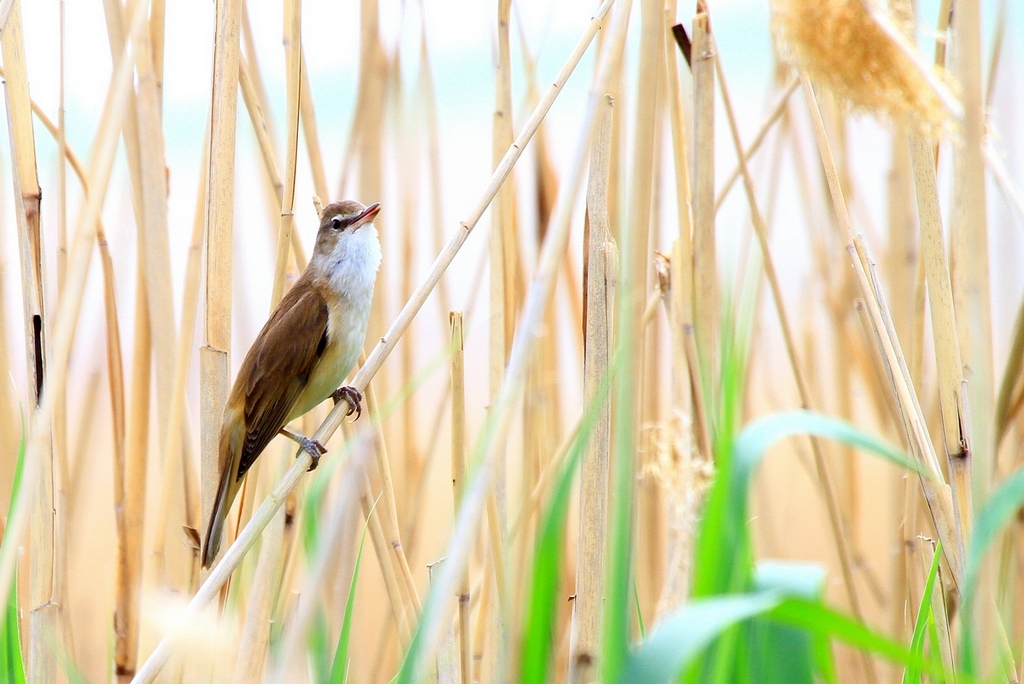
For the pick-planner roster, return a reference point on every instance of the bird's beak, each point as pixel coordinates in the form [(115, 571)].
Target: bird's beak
[(366, 216)]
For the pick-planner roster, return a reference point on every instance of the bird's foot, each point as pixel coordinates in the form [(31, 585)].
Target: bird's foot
[(314, 448), (354, 398), (310, 446)]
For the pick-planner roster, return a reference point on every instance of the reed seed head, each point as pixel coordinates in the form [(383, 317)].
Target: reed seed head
[(844, 45)]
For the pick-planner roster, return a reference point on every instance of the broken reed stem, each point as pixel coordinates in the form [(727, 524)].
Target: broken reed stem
[(837, 522), (458, 437), (705, 264), (248, 536), (936, 491)]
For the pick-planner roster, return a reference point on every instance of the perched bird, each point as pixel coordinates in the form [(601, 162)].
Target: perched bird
[(303, 353)]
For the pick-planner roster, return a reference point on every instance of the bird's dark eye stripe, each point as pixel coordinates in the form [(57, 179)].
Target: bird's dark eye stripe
[(339, 222)]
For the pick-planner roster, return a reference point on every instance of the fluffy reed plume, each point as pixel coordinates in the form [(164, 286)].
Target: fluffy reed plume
[(856, 49)]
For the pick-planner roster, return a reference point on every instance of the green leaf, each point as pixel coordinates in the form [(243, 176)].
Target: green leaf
[(924, 618), (674, 643), (539, 630), (1001, 507), (339, 669), (10, 641), (781, 653)]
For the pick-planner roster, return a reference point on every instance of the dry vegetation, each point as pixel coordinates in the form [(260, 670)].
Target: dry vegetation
[(581, 514)]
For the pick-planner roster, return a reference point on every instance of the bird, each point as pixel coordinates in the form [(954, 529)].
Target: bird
[(303, 353)]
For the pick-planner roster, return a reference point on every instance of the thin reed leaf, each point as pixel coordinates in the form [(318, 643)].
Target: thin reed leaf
[(340, 664), (924, 618)]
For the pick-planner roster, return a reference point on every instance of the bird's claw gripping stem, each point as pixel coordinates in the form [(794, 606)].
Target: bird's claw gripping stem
[(354, 398), (315, 449)]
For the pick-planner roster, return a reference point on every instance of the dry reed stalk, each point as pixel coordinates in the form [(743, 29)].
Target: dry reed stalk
[(334, 524), (936, 492), (955, 429), (705, 268), (841, 532), (153, 235), (446, 663), (502, 312), (393, 551), (309, 130), (69, 306), (969, 258), (47, 559), (458, 438), (263, 594), (178, 439), (60, 422), (686, 396), (773, 117), (428, 98), (248, 536), (214, 363), (130, 528), (969, 269), (600, 276), (374, 73), (293, 83)]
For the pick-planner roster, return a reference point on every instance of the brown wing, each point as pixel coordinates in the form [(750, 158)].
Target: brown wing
[(279, 365)]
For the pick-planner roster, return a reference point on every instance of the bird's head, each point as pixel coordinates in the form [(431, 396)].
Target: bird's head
[(346, 231)]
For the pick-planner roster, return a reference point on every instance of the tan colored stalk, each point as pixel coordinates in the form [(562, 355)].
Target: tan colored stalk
[(502, 310), (309, 130), (66, 319), (705, 268), (936, 492), (262, 595), (769, 122), (178, 439), (264, 514), (686, 389), (971, 285), (955, 429), (458, 385), (926, 553), (585, 636), (374, 72), (214, 362), (969, 258), (293, 80), (46, 562), (839, 527)]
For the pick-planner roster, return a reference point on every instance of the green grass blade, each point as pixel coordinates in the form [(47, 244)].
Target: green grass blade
[(674, 643), (822, 620), (10, 642), (924, 612), (997, 512), (339, 668), (538, 637)]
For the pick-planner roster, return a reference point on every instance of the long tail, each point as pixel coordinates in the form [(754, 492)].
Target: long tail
[(226, 492)]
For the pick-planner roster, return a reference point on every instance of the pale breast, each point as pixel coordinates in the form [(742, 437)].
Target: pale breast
[(348, 290)]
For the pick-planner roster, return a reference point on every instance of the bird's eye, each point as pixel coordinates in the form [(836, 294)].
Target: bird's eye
[(337, 223)]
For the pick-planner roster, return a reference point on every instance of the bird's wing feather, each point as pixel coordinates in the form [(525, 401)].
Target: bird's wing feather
[(282, 359)]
